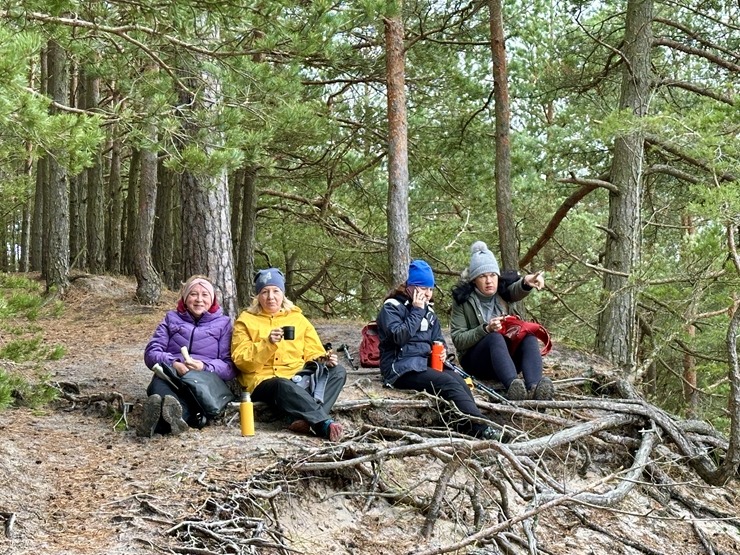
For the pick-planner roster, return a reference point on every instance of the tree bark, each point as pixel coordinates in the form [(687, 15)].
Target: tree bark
[(132, 211), (56, 203), (95, 199), (148, 284), (398, 168), (164, 228), (206, 233), (248, 239), (617, 325), (36, 254), (508, 243), (113, 257)]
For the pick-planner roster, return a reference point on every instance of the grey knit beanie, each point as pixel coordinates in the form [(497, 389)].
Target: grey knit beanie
[(482, 261)]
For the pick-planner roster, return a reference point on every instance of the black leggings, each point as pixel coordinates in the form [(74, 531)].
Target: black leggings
[(489, 359), (450, 386)]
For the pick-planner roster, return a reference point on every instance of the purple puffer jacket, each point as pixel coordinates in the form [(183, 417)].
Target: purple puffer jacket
[(208, 339)]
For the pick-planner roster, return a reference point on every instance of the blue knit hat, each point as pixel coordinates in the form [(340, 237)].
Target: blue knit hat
[(271, 276), (482, 261), (420, 274)]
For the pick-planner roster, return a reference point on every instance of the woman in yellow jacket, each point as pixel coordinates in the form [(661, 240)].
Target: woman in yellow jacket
[(269, 362)]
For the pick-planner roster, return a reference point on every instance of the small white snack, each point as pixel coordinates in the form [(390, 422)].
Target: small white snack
[(185, 354)]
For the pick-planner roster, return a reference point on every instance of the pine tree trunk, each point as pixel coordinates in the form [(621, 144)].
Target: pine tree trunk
[(132, 211), (398, 168), (116, 206), (36, 254), (236, 188), (148, 284), (56, 203), (617, 326), (164, 234), (206, 234), (508, 244), (95, 197), (248, 237), (206, 212)]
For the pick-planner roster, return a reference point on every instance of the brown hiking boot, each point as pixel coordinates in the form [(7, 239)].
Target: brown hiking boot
[(300, 427)]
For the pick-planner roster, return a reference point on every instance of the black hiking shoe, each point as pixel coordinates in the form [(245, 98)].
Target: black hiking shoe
[(172, 414), (150, 418), (517, 391), (544, 391)]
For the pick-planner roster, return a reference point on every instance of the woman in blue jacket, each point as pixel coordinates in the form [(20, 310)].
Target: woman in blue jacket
[(408, 326)]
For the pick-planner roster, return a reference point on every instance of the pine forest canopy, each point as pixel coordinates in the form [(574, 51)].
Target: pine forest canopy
[(190, 126)]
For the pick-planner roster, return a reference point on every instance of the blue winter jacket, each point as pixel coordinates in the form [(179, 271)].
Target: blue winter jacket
[(208, 340), (406, 336)]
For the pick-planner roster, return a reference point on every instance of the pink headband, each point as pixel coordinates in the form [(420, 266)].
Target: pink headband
[(202, 282)]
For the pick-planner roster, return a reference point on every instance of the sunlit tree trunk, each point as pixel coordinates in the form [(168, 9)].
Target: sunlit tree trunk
[(398, 167), (508, 244)]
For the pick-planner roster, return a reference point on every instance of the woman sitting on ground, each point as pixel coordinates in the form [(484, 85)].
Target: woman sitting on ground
[(477, 313), (268, 361), (408, 327), (199, 324)]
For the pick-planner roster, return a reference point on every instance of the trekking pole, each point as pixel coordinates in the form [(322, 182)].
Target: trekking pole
[(492, 393), (344, 349)]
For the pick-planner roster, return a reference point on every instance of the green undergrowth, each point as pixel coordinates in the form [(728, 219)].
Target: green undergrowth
[(22, 346)]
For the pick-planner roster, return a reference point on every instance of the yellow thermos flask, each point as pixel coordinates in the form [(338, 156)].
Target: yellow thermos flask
[(246, 415)]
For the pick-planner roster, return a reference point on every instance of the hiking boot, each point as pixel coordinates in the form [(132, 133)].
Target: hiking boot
[(300, 427), (517, 391), (150, 418), (544, 391), (172, 414)]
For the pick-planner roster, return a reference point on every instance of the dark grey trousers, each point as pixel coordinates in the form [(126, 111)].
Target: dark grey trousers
[(296, 402)]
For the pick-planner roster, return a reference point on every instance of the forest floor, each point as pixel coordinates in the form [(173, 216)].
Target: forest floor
[(74, 483)]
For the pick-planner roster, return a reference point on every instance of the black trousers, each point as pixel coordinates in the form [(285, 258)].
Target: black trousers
[(296, 402), (449, 385), (489, 359)]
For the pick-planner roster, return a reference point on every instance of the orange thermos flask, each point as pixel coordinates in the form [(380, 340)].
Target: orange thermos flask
[(437, 349)]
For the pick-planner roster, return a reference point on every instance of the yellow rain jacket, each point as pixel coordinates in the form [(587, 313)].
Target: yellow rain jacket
[(257, 359)]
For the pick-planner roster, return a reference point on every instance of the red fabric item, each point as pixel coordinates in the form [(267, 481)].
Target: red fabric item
[(370, 346), (181, 306), (515, 329)]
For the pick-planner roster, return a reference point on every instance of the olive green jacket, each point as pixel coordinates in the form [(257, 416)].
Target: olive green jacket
[(467, 325)]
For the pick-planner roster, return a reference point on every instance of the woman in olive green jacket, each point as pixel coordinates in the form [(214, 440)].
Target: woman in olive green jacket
[(480, 304)]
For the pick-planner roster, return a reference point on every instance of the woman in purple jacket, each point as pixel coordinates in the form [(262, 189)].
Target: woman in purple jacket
[(199, 324)]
